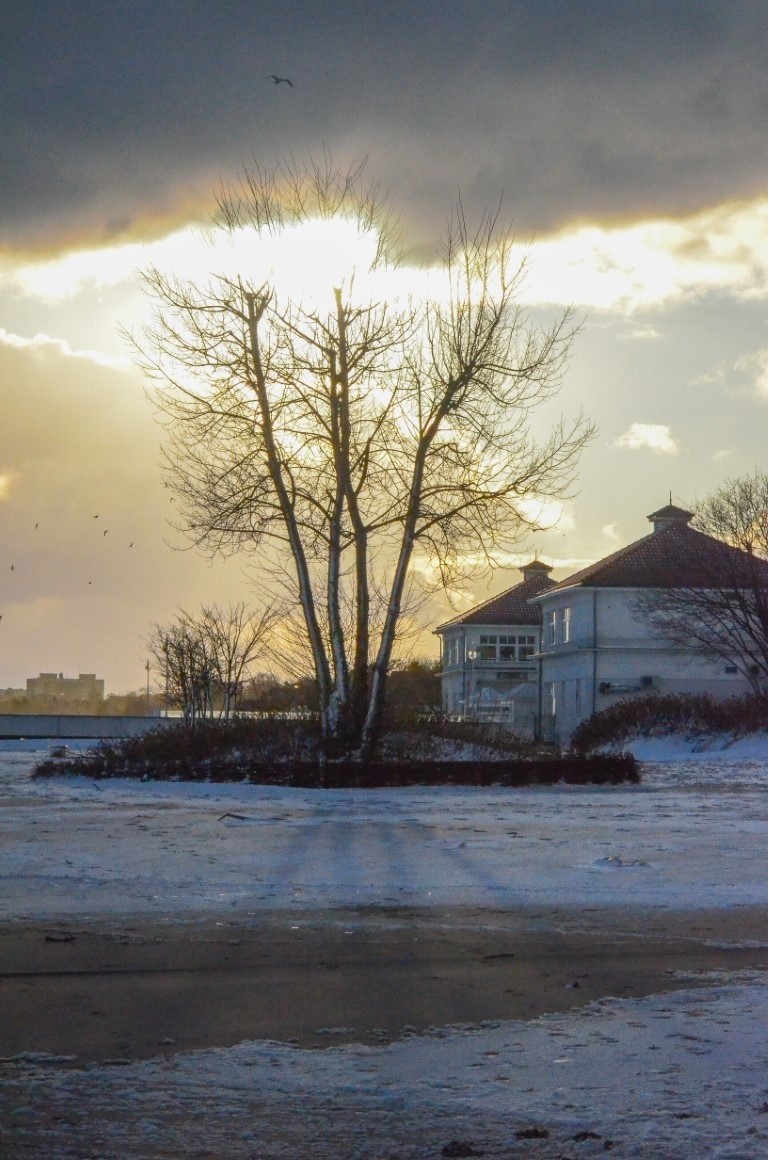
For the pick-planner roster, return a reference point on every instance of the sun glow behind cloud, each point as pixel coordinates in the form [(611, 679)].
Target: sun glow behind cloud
[(546, 514), (651, 263), (305, 261), (621, 268)]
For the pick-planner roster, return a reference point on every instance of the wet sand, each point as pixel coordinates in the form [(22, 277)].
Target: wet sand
[(138, 989)]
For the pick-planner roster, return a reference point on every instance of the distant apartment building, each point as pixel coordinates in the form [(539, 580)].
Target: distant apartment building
[(84, 687)]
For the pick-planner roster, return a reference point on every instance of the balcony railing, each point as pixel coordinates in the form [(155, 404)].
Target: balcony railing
[(481, 664)]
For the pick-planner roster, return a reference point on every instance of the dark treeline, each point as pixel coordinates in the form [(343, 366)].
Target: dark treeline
[(114, 705), (413, 686)]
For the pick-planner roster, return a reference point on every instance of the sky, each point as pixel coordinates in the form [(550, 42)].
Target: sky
[(627, 144)]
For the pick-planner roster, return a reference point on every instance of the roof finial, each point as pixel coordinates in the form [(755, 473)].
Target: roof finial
[(669, 515)]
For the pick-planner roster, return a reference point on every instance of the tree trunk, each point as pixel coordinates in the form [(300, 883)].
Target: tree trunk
[(306, 597)]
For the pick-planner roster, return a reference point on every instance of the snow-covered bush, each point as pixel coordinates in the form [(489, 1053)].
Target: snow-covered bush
[(661, 714)]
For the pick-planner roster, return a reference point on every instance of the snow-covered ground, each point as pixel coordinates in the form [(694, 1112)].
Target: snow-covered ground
[(693, 834), (666, 1077), (675, 1077)]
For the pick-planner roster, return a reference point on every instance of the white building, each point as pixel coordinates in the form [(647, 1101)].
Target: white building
[(489, 669), (598, 646)]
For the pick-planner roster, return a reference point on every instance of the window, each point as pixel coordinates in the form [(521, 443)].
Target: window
[(451, 651), (566, 625), (506, 647), (551, 626), (487, 650)]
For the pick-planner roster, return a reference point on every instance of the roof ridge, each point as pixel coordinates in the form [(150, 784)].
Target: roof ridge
[(606, 561), (534, 584), (660, 559)]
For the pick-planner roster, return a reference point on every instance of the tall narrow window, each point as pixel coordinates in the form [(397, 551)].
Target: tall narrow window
[(566, 625), (552, 627), (452, 655), (488, 646)]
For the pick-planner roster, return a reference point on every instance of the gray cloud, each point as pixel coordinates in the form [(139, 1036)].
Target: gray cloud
[(112, 114)]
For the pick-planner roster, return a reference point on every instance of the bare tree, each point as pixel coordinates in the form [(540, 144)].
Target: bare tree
[(234, 638), (356, 432), (180, 655), (719, 600), (204, 661)]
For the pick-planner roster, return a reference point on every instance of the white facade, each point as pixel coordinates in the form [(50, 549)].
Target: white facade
[(598, 647), (598, 643), (489, 672), (489, 666)]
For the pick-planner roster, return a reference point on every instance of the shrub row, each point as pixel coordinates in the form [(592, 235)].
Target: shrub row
[(286, 753), (660, 714)]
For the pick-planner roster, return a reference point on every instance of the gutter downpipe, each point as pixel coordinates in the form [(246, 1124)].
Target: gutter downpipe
[(540, 683), (594, 650)]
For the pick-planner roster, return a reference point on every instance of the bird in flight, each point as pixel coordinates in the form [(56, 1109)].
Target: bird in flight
[(280, 80)]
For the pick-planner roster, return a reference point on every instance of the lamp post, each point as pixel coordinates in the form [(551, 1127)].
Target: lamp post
[(147, 667), (472, 656)]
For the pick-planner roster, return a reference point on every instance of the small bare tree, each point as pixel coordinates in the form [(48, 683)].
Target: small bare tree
[(205, 660), (353, 433), (720, 599), (234, 639), (179, 654)]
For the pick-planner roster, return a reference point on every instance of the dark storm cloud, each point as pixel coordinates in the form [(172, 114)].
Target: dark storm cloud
[(113, 114)]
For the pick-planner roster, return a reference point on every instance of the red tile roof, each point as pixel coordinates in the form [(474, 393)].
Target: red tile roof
[(510, 607), (676, 556)]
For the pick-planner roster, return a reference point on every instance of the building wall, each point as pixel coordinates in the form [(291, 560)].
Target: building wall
[(611, 653), (487, 685)]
